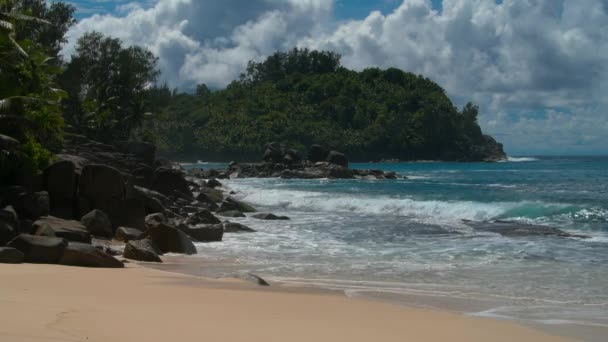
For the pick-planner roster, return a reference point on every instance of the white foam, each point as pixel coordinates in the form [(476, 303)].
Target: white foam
[(521, 159), (427, 211)]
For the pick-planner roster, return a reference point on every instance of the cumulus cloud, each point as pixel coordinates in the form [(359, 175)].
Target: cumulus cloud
[(538, 68)]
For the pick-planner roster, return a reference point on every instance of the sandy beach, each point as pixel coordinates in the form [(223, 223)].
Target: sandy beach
[(56, 303)]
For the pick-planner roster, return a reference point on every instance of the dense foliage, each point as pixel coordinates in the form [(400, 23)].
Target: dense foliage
[(106, 84), (305, 97), (31, 33)]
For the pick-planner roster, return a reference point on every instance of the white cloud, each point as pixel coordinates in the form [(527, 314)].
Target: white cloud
[(538, 68)]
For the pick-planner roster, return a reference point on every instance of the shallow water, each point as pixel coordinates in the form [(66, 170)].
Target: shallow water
[(404, 240)]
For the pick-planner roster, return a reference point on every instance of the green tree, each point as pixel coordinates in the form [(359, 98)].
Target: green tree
[(106, 83), (29, 98)]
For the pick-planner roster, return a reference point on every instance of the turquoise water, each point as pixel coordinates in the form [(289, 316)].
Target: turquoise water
[(405, 240)]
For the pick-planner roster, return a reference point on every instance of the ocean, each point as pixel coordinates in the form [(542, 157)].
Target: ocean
[(405, 240)]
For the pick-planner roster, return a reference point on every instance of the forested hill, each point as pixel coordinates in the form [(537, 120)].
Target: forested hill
[(306, 97)]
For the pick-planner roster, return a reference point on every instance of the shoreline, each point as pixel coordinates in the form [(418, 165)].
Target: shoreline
[(93, 304), (218, 270)]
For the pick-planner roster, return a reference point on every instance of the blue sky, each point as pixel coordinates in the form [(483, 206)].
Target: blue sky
[(538, 69), (344, 9)]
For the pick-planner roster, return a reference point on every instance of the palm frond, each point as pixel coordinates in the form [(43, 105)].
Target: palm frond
[(14, 14)]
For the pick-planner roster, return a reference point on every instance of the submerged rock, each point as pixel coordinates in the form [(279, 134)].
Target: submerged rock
[(518, 229), (270, 217), (231, 204), (232, 227)]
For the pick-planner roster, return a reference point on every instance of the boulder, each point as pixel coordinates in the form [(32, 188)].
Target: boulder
[(126, 234), (232, 213), (97, 223), (341, 172), (337, 158), (273, 153), (104, 188), (39, 249), (142, 250), (142, 150), (317, 153), (85, 255), (11, 256), (270, 217), (8, 143), (55, 227), (206, 202), (166, 181), (202, 217), (153, 201), (169, 239), (9, 224), (231, 204), (99, 183), (32, 205), (204, 233), (155, 219), (291, 157), (213, 195), (232, 227), (212, 183), (60, 181)]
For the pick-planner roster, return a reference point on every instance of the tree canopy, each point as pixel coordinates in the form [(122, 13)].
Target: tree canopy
[(304, 97)]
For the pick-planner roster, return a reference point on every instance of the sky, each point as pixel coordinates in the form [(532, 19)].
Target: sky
[(538, 69)]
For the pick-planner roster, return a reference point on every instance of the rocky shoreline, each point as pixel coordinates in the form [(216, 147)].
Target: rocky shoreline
[(98, 205)]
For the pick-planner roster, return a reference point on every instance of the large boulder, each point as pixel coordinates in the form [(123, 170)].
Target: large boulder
[(153, 201), (126, 234), (39, 249), (60, 182), (337, 158), (169, 239), (66, 229), (142, 150), (206, 202), (204, 233), (202, 217), (273, 153), (142, 250), (291, 156), (11, 256), (100, 183), (97, 223), (167, 181), (9, 224), (231, 204), (32, 205), (155, 219), (210, 194), (317, 153), (85, 255), (104, 188)]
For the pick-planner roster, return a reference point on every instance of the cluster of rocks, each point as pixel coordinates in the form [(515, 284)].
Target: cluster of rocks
[(282, 162), (97, 200)]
